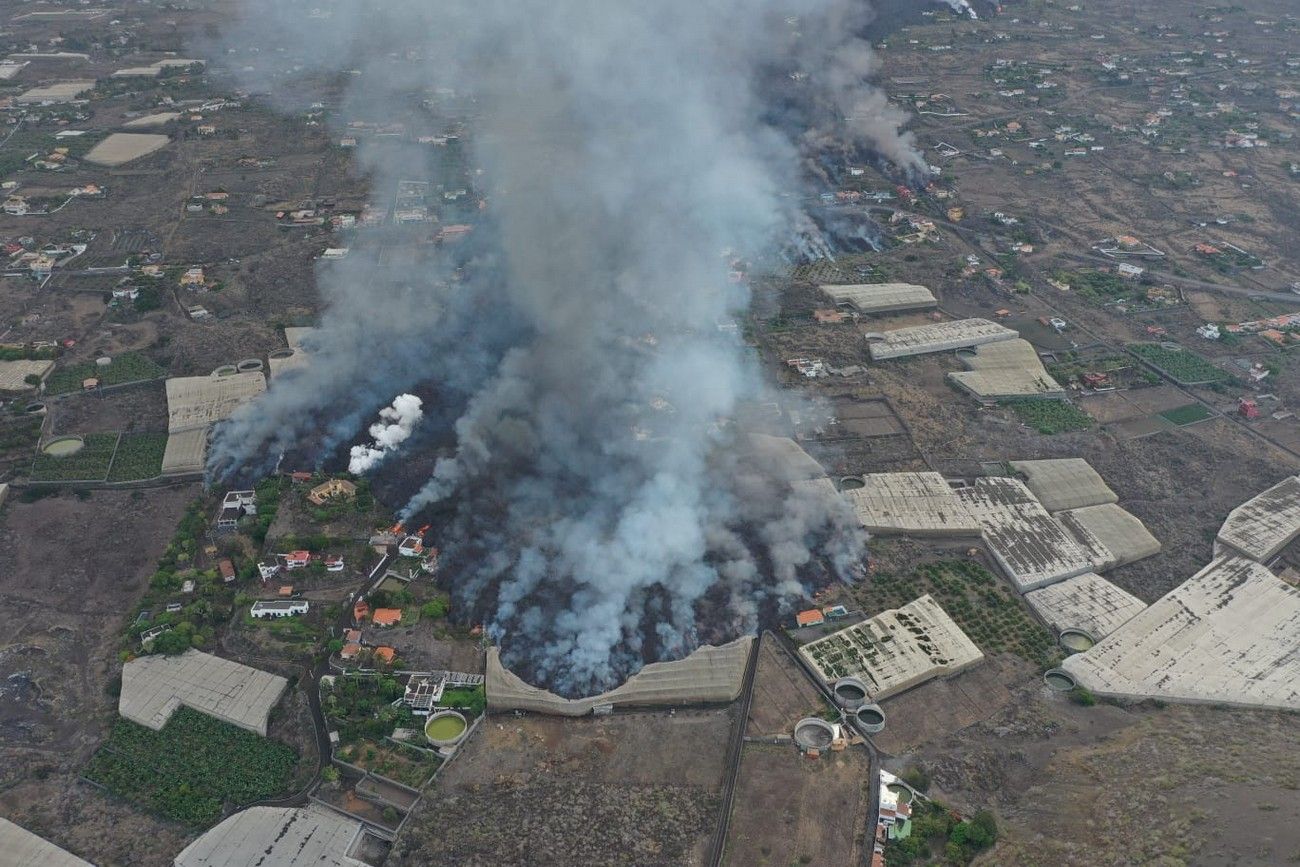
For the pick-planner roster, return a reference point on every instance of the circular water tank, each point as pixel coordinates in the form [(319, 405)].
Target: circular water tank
[(871, 718), (445, 728), (61, 447), (1076, 640), (852, 483), (282, 353), (850, 693), (1059, 680), (249, 365), (103, 361), (813, 733), (35, 408), (225, 370)]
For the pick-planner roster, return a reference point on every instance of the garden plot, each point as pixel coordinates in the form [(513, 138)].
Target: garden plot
[(1181, 365)]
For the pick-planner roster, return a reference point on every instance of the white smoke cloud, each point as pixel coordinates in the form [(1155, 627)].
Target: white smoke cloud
[(623, 146), (394, 427)]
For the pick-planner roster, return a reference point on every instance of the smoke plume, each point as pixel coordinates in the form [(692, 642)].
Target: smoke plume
[(597, 499), (393, 428)]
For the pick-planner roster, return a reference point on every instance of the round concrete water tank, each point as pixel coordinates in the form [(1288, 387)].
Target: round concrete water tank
[(103, 361), (850, 693), (281, 354), (61, 447), (1059, 680), (249, 365), (813, 733), (35, 409), (225, 370), (871, 718), (1076, 640), (852, 483), (445, 728)]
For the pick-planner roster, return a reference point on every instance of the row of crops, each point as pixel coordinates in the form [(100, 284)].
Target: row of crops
[(1183, 366), (1049, 416), (105, 457), (981, 604), (192, 768)]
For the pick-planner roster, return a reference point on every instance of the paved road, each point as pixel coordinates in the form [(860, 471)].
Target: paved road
[(718, 849)]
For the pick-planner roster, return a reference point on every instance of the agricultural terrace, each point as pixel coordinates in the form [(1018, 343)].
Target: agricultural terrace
[(1181, 365), (90, 463), (985, 608), (1049, 416), (105, 457), (125, 368), (191, 769), (138, 457), (361, 710)]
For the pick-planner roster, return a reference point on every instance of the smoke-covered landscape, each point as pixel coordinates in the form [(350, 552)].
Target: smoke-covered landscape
[(592, 502)]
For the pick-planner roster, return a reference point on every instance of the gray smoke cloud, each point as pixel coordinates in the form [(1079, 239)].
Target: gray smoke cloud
[(597, 506)]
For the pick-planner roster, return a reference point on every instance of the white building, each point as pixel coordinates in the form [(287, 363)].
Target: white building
[(279, 608)]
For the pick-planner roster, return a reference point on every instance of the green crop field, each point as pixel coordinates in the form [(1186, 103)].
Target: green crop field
[(1189, 414), (191, 768), (139, 456), (983, 605), (1049, 416), (129, 367), (90, 464), (1186, 368)]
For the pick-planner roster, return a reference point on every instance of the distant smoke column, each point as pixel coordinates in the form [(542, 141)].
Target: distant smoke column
[(961, 6), (598, 496), (393, 428)]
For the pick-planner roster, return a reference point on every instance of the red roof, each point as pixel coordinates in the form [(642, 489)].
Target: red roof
[(298, 556), (227, 569), (361, 610), (385, 653), (387, 616), (350, 650), (811, 617)]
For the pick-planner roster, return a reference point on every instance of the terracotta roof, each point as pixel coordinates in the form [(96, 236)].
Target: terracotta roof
[(386, 616), (811, 617), (350, 650), (387, 654)]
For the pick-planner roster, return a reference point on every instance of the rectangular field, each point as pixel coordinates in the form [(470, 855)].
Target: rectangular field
[(139, 456), (89, 464), (791, 810), (192, 767)]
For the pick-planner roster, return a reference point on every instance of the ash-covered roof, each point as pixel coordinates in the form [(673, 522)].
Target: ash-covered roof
[(709, 675), (310, 836), (936, 337), (1088, 602), (22, 848), (881, 297), (1006, 369), (1228, 635), (1262, 526), (1065, 483), (895, 650), (153, 687), (1126, 537)]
